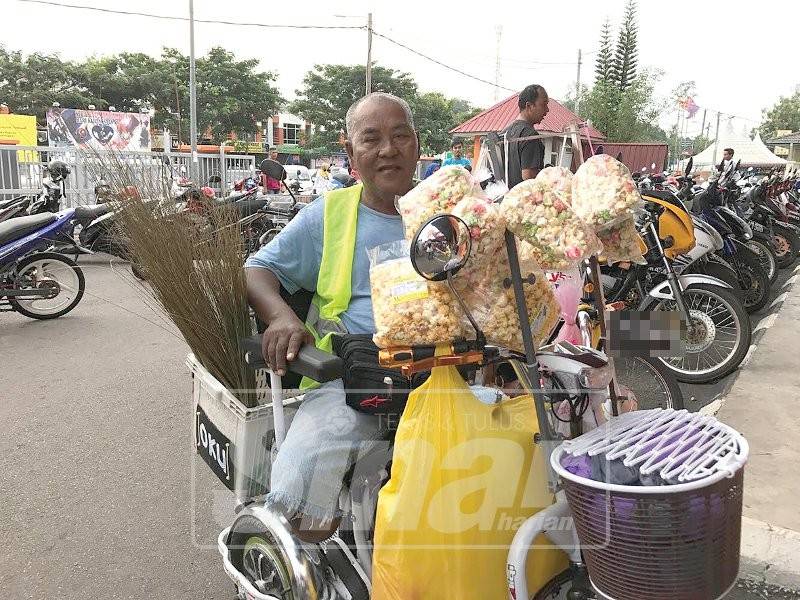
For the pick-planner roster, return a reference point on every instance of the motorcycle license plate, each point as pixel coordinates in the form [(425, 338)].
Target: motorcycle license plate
[(653, 334)]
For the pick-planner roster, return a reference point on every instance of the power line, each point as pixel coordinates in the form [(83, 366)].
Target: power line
[(438, 62), (177, 18)]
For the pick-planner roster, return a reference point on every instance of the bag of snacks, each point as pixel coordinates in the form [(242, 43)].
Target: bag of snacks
[(538, 216), (559, 180), (486, 231), (621, 242), (409, 310), (437, 194), (493, 306), (603, 191)]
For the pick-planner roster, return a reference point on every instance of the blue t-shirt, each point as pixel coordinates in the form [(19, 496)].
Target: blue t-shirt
[(461, 162), (295, 255)]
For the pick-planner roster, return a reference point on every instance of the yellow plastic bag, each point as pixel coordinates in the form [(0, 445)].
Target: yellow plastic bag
[(465, 476)]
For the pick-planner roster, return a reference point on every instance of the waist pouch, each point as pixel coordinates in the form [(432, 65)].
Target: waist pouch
[(365, 380)]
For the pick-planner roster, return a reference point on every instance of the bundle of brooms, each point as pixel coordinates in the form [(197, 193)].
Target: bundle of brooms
[(193, 263)]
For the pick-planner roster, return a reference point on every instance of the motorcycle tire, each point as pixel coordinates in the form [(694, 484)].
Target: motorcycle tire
[(27, 307), (766, 256), (695, 297), (138, 272), (719, 271), (786, 243), (752, 279), (653, 384)]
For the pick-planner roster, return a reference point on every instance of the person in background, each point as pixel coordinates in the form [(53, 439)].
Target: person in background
[(322, 181), (458, 157), (727, 159), (525, 159), (270, 185), (432, 168)]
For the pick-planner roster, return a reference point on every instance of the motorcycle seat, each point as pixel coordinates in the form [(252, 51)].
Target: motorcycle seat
[(14, 229), (88, 213)]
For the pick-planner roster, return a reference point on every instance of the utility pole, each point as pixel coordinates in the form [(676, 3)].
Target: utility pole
[(703, 126), (499, 30), (716, 143), (369, 53), (192, 97), (578, 86)]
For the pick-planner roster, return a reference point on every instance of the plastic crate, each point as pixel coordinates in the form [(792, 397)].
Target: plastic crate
[(237, 445)]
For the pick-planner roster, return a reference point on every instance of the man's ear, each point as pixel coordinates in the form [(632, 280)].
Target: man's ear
[(348, 147), (419, 145)]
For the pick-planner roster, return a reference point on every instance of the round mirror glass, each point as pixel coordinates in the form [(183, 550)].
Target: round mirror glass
[(272, 168), (440, 247)]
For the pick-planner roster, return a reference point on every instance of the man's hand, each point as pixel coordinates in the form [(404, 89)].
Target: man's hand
[(282, 340)]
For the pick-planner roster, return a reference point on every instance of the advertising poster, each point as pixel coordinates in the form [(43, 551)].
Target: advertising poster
[(19, 130), (98, 129)]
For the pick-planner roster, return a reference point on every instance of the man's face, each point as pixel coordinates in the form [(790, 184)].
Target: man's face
[(273, 155), (535, 112), (727, 155), (458, 150), (383, 147)]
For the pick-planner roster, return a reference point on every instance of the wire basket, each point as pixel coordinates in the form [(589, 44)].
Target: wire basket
[(660, 542)]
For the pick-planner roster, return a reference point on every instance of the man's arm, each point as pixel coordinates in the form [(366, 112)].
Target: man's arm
[(531, 158), (285, 332)]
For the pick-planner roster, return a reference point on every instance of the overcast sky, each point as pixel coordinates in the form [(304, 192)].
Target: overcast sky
[(741, 61)]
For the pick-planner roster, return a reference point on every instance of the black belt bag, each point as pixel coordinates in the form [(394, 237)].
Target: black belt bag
[(366, 383)]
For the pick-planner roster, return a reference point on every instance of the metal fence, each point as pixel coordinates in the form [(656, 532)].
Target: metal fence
[(22, 167)]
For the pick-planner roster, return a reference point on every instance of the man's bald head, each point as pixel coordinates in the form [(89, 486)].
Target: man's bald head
[(351, 120)]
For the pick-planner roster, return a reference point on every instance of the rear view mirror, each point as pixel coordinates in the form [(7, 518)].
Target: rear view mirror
[(689, 166), (272, 168), (440, 247)]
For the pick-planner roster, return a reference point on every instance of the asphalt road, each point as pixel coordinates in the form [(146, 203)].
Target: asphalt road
[(101, 493)]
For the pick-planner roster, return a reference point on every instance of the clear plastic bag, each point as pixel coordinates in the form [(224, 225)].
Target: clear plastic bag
[(486, 228), (437, 194), (559, 180), (538, 216), (493, 305), (621, 242), (603, 191), (409, 310)]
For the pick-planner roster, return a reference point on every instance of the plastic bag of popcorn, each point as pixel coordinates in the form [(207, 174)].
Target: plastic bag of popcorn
[(409, 310), (437, 194), (621, 242), (559, 180), (603, 191), (486, 230), (538, 216)]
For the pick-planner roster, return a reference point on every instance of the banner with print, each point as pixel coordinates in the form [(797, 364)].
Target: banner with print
[(98, 129)]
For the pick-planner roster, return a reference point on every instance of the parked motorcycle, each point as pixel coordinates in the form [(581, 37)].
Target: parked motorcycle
[(48, 199), (33, 281)]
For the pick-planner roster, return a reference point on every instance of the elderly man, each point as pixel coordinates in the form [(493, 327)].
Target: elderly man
[(324, 250)]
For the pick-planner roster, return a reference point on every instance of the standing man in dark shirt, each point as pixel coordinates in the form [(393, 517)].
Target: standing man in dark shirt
[(526, 159)]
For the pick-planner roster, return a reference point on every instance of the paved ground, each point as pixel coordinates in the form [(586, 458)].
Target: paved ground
[(102, 496)]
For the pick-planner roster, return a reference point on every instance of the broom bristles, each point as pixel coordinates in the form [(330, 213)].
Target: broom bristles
[(193, 263)]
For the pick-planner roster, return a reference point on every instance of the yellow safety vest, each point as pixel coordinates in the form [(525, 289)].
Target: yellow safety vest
[(335, 279)]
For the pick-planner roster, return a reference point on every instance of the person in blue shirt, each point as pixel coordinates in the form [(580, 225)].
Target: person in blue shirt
[(432, 168), (458, 157)]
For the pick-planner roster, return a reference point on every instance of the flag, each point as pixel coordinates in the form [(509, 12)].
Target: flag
[(691, 108)]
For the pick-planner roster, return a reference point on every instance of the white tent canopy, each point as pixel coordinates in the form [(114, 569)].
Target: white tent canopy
[(750, 152)]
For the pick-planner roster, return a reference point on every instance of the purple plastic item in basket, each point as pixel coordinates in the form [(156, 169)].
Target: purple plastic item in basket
[(578, 465)]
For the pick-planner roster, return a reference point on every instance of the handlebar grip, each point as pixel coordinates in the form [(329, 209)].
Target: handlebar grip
[(310, 362)]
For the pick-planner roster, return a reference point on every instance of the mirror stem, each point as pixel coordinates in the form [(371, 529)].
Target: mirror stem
[(479, 337), (294, 200)]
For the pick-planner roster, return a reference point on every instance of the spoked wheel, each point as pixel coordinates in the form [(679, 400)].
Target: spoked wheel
[(786, 244), (49, 270), (653, 384), (718, 336), (752, 279), (766, 258)]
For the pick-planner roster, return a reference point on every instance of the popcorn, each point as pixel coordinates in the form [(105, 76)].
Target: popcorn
[(494, 307), (621, 242), (486, 228), (437, 194), (559, 181), (409, 310), (537, 215), (603, 191)]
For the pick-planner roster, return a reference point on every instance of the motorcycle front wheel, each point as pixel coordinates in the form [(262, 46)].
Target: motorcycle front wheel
[(718, 336), (766, 258), (48, 269), (653, 384), (753, 279), (786, 244)]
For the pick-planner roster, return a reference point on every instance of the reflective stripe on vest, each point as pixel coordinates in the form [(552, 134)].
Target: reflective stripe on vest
[(335, 279)]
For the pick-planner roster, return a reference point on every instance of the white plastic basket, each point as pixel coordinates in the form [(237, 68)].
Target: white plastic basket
[(243, 457)]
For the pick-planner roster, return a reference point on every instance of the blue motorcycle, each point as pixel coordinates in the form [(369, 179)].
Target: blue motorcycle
[(34, 281)]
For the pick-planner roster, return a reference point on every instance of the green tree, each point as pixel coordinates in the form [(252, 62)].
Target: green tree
[(435, 115), (784, 114), (31, 84), (627, 51), (329, 90), (605, 55)]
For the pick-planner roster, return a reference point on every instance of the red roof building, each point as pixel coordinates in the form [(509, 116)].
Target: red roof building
[(497, 118), (632, 155)]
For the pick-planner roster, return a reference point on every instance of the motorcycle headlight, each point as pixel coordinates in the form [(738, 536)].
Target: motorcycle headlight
[(596, 378)]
